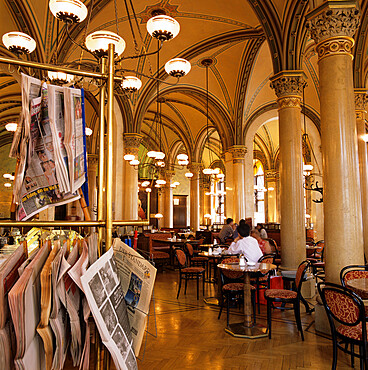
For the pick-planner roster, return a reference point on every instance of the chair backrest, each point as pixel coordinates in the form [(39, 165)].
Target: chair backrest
[(274, 246), (267, 258), (353, 272), (181, 257), (201, 241), (300, 273), (342, 305), (321, 245), (189, 248), (231, 275)]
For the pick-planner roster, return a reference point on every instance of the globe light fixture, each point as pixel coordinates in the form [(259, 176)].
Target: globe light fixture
[(177, 67), (188, 175), (365, 138), (145, 184), (160, 155), (182, 157), (159, 215), (7, 184), (172, 186), (157, 186), (19, 42), (207, 171), (98, 43), (134, 162), (160, 182), (220, 176), (183, 162), (60, 77), (160, 164), (89, 131), (7, 175), (163, 27), (129, 157), (207, 215), (68, 11), (307, 167), (176, 183), (12, 127), (151, 154), (148, 190), (12, 178), (216, 171), (131, 83)]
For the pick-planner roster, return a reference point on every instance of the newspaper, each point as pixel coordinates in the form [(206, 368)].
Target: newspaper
[(40, 186), (106, 301), (137, 277), (74, 137)]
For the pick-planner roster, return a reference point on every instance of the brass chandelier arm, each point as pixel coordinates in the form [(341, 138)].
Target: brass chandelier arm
[(118, 78), (140, 55)]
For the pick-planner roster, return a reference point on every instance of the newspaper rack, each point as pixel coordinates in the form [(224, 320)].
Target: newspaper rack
[(104, 223)]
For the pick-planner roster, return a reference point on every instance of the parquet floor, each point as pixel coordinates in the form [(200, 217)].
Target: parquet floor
[(189, 336)]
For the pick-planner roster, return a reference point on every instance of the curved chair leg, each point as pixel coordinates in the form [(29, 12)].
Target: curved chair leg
[(334, 355), (179, 287), (352, 355), (297, 318), (269, 319), (186, 282)]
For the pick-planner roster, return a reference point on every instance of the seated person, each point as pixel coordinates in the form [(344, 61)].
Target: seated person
[(263, 244), (245, 244), (242, 221), (227, 230), (262, 231)]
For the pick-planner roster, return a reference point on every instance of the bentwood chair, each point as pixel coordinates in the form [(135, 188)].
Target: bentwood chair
[(188, 273), (232, 289), (346, 315), (351, 272), (287, 296), (195, 261)]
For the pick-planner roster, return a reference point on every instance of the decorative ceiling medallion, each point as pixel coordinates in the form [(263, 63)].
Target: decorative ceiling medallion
[(157, 9), (206, 62)]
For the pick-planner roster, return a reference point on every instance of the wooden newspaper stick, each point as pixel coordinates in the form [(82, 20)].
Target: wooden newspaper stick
[(13, 206), (84, 206)]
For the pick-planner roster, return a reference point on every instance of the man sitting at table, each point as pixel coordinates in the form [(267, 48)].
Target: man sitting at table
[(245, 244), (227, 230)]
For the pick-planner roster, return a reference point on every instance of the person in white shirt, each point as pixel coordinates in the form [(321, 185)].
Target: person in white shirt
[(245, 244)]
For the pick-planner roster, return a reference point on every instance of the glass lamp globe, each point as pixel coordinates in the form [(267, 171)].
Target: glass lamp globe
[(220, 176), (160, 155), (69, 11), (176, 183), (207, 171), (131, 83), (148, 190), (7, 175), (159, 215), (207, 215), (60, 77), (182, 157), (129, 157), (160, 182), (160, 164), (19, 42), (183, 162), (188, 175), (308, 167), (7, 185), (151, 154), (12, 127), (134, 162), (177, 67), (145, 183), (89, 131), (163, 27), (98, 43)]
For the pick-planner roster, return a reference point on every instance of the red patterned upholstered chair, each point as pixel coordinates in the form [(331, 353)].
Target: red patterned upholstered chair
[(346, 315), (188, 273), (232, 288), (287, 296), (195, 261), (353, 272)]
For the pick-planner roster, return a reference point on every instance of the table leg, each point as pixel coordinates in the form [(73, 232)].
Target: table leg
[(215, 301), (247, 329)]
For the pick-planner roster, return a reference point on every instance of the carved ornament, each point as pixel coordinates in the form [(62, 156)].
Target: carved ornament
[(271, 175), (361, 99), (132, 141), (335, 46), (288, 84), (238, 152), (92, 160), (289, 102), (194, 168)]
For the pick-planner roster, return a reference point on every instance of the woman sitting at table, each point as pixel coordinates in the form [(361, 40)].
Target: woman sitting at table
[(245, 244), (263, 244)]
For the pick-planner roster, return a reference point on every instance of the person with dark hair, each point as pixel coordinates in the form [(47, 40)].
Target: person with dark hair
[(227, 230), (262, 231), (235, 235), (245, 244)]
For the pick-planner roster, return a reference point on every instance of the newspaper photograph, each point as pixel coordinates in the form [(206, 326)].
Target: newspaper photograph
[(106, 301), (40, 187), (74, 137), (137, 278)]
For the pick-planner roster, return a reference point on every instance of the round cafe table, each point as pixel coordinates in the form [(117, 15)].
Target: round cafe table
[(247, 329), (359, 286)]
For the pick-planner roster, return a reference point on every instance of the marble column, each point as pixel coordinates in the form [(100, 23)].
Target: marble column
[(92, 185), (168, 207), (207, 200), (332, 28), (270, 184), (229, 200), (361, 99), (194, 196), (288, 87), (130, 181), (238, 153)]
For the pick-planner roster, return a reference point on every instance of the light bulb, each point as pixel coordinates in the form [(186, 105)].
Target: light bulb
[(177, 67), (60, 77), (159, 215), (160, 155), (148, 190), (145, 183), (134, 162), (69, 11), (151, 154), (189, 175), (163, 27), (98, 43), (176, 183), (7, 175), (19, 42), (160, 182), (207, 171), (129, 157), (12, 127), (182, 157), (89, 131), (7, 184), (307, 167), (131, 83)]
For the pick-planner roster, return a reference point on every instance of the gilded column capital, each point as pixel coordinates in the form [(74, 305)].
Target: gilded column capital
[(334, 20), (195, 167), (92, 160), (361, 99), (271, 175), (132, 141), (238, 152)]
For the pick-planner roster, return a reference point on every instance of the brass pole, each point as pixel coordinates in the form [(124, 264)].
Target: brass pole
[(51, 67), (51, 223), (101, 159), (131, 223), (109, 159)]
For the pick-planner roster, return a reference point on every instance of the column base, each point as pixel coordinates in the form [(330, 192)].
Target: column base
[(211, 301), (321, 320), (240, 331)]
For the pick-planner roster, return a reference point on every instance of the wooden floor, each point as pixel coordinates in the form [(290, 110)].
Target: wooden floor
[(189, 336)]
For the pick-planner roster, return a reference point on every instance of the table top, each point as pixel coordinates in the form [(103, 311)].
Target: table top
[(262, 267), (208, 245), (170, 241), (359, 286), (312, 247), (213, 255)]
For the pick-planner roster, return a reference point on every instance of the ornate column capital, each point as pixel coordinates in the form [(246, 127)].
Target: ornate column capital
[(92, 162), (132, 142), (238, 152), (195, 168), (361, 99), (333, 20), (271, 175), (288, 86)]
